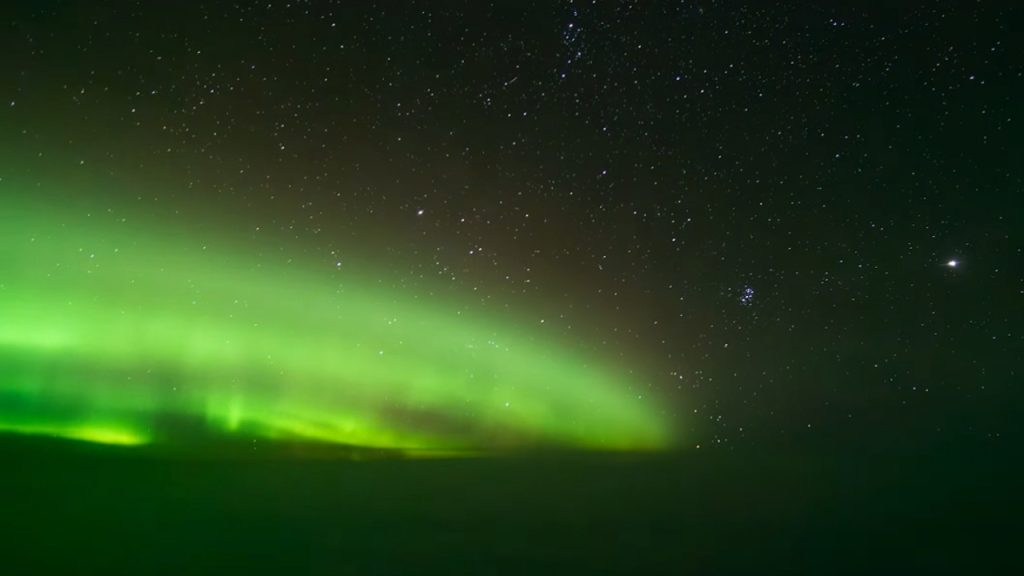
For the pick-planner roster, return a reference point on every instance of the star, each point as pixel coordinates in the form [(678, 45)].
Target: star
[(952, 264)]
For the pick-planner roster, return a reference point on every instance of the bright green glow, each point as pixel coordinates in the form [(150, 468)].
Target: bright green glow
[(118, 331), (97, 434)]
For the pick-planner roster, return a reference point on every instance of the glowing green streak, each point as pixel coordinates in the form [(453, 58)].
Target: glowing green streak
[(115, 331)]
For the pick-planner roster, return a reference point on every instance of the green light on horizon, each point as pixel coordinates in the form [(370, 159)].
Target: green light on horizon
[(120, 331)]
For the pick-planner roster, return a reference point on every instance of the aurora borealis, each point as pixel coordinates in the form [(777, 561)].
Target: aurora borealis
[(119, 330), (511, 287)]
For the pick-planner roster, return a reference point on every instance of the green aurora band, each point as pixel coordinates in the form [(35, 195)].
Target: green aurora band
[(121, 330)]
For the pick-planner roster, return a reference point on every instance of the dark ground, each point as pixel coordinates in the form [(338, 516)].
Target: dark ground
[(77, 509)]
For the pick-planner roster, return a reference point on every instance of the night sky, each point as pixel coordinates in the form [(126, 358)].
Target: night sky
[(477, 287), (677, 224)]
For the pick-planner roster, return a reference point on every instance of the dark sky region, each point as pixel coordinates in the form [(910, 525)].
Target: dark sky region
[(787, 222)]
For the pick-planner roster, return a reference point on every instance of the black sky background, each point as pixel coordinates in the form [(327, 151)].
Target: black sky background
[(752, 207)]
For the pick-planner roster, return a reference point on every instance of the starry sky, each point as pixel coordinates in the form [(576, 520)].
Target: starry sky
[(596, 224)]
